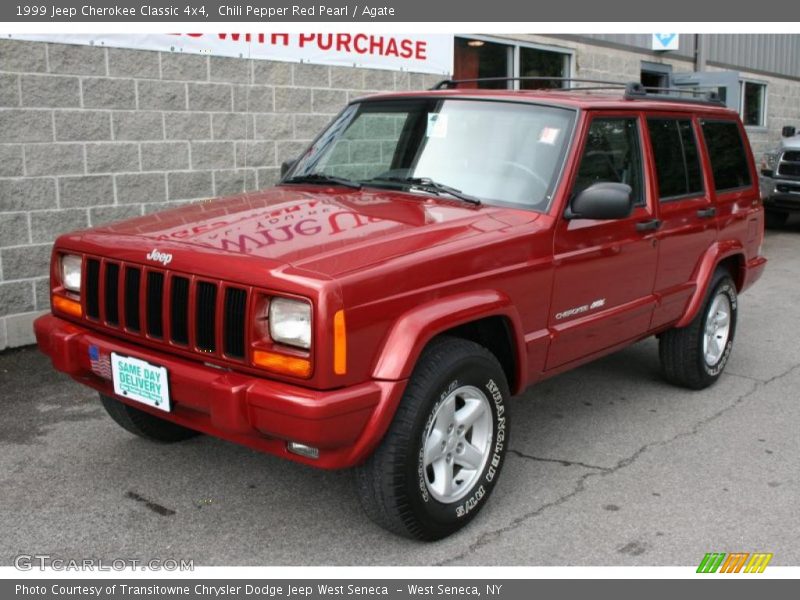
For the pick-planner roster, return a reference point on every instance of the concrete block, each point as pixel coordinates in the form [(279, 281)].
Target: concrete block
[(27, 194), (161, 95), (233, 70), (90, 190), (9, 90), (13, 229), (11, 160), (255, 154), (47, 225), (232, 126), (328, 101), (212, 155), (292, 100), (110, 214), (186, 126), (308, 75), (234, 181), (133, 63), (138, 125), (164, 156), (76, 60), (272, 73), (210, 97), (184, 67), (101, 92), (138, 188), (82, 125), (26, 126), (53, 159), (274, 127), (25, 262), (112, 157), (190, 184), (22, 56)]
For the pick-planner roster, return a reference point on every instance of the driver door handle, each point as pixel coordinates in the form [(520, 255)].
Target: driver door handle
[(650, 225), (707, 213)]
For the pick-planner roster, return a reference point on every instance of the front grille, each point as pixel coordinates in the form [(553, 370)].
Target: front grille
[(789, 165), (207, 317), (791, 156), (789, 169)]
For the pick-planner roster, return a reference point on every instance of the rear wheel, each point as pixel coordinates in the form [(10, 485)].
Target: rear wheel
[(440, 459), (775, 219), (144, 424), (695, 356)]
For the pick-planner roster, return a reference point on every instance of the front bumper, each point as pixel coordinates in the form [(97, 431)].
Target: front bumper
[(345, 424), (780, 194)]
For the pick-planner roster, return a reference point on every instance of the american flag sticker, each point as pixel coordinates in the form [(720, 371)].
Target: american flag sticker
[(101, 363)]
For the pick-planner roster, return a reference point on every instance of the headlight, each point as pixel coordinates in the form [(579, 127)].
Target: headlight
[(71, 272), (771, 160), (290, 322)]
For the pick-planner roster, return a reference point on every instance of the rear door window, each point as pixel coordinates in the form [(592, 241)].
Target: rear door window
[(677, 160), (726, 150)]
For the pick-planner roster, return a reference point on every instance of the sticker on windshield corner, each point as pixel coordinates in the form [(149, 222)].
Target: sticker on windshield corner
[(549, 135), (437, 125)]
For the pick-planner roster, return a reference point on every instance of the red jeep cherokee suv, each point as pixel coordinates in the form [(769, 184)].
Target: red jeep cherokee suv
[(429, 255)]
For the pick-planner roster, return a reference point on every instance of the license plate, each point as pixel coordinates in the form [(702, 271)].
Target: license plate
[(140, 381)]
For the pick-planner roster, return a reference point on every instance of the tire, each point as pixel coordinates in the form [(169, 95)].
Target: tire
[(774, 219), (405, 489), (688, 356), (144, 424)]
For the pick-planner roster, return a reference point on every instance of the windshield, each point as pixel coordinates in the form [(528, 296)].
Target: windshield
[(502, 153)]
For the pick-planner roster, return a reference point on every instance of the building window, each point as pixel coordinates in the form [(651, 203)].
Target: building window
[(753, 104), (483, 58)]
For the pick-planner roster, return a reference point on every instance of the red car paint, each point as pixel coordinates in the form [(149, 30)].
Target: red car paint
[(405, 268)]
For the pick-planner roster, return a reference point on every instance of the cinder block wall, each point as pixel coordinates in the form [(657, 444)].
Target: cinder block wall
[(90, 135)]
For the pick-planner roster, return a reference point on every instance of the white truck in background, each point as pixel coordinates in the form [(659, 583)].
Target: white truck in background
[(780, 179)]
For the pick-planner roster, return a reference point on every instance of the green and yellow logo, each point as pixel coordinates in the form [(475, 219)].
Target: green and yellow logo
[(735, 562)]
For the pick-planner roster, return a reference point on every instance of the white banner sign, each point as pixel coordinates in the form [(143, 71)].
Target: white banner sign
[(418, 53)]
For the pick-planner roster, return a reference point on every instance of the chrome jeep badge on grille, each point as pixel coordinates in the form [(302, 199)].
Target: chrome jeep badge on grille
[(161, 257)]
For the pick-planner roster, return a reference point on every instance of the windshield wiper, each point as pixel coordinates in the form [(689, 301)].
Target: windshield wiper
[(322, 178), (427, 184)]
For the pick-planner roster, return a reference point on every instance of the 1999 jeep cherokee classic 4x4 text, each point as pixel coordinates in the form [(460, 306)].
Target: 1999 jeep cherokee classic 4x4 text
[(428, 256)]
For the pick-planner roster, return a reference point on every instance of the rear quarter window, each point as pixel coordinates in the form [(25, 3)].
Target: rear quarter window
[(728, 155)]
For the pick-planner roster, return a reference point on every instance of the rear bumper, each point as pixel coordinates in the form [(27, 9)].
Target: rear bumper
[(345, 424)]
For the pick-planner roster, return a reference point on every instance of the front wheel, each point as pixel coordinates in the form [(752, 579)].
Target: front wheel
[(695, 356), (440, 459)]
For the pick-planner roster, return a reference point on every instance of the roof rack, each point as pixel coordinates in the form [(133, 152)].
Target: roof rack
[(633, 90)]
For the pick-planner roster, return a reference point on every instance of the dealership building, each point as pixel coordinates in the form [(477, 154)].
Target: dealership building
[(99, 128)]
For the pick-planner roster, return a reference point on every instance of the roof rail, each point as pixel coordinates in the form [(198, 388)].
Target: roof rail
[(633, 90), (450, 83)]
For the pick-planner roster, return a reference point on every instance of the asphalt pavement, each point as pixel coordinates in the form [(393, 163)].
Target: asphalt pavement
[(609, 465)]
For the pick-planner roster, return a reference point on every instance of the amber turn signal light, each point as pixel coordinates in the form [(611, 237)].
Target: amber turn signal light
[(67, 305), (339, 344), (281, 363)]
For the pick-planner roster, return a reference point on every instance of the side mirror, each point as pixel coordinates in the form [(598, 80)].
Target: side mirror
[(602, 201), (286, 166), (788, 131)]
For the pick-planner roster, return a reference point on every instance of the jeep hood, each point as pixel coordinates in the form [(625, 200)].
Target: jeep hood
[(313, 228)]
